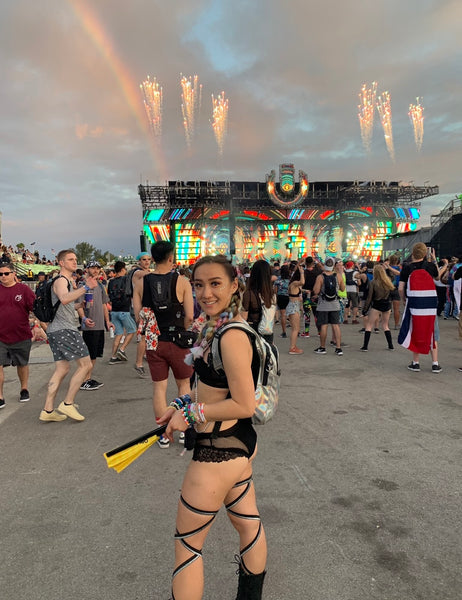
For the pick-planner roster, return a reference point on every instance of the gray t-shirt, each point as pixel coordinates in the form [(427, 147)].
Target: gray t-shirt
[(95, 310), (327, 305), (65, 317)]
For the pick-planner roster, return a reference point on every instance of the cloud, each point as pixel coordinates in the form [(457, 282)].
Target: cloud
[(74, 142)]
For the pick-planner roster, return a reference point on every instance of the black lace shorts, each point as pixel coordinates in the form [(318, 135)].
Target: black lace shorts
[(228, 444)]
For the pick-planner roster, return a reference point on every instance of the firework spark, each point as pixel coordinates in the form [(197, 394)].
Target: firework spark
[(220, 107), (417, 120), (366, 110), (191, 99), (152, 94), (384, 110)]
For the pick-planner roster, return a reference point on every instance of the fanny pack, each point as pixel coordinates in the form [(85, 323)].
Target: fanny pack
[(183, 339)]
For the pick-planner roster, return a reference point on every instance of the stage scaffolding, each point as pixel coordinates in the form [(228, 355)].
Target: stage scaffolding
[(238, 206)]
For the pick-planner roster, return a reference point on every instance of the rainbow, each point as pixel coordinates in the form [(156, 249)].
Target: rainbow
[(130, 88)]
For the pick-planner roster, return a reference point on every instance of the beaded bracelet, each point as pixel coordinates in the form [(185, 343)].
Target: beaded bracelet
[(194, 413), (180, 402)]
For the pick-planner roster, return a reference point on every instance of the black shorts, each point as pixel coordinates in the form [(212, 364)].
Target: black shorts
[(95, 343), (282, 302), (381, 305), (15, 354), (328, 317), (394, 295)]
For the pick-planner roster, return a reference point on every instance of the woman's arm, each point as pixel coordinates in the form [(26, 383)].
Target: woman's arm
[(369, 297), (236, 355)]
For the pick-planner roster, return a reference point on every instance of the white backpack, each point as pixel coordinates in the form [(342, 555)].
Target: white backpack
[(266, 324), (269, 375)]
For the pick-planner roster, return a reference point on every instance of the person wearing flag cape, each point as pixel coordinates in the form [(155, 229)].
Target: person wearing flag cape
[(419, 330), (219, 429)]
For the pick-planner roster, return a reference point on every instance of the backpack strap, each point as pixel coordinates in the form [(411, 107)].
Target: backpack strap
[(216, 353), (58, 302)]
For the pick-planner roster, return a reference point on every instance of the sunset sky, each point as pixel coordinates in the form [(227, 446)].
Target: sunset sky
[(74, 137)]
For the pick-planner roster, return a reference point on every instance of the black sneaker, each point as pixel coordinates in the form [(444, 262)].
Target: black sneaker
[(283, 335), (98, 384), (376, 330), (141, 372), (24, 396), (115, 360), (320, 350), (338, 351), (121, 354), (363, 349), (436, 368), (2, 402), (89, 386), (414, 367)]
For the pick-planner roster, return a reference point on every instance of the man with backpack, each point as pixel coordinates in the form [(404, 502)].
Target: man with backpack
[(170, 297), (120, 313), (137, 273), (16, 301), (352, 287), (325, 290), (65, 341)]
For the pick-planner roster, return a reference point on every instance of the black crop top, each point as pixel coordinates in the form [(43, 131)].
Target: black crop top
[(208, 375)]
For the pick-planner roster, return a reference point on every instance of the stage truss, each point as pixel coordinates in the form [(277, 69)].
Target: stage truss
[(339, 218)]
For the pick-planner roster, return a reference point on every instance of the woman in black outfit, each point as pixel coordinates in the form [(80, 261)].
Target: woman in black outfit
[(259, 292), (379, 301), (226, 443)]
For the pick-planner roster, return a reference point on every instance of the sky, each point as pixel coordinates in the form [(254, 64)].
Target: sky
[(75, 140)]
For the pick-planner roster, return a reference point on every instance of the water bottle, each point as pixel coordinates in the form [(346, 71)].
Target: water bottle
[(111, 332), (88, 301)]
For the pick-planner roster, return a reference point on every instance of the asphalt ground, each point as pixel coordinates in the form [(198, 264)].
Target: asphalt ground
[(358, 480)]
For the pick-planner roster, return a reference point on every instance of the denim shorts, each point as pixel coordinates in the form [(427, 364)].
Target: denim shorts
[(123, 321)]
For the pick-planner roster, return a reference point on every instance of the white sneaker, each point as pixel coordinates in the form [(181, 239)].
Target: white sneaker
[(181, 439), (163, 442)]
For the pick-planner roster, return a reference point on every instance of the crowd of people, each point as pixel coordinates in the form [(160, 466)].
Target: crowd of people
[(174, 313), (18, 254)]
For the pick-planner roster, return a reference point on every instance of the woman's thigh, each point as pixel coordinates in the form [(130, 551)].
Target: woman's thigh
[(205, 488)]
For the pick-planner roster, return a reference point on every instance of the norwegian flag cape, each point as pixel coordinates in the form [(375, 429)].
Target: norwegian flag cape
[(416, 333)]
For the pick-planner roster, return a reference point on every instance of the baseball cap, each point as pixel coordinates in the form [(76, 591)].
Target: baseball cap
[(41, 273), (350, 264), (94, 263), (329, 264), (141, 254)]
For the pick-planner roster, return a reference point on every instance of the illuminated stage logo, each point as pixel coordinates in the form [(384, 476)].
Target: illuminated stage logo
[(289, 197)]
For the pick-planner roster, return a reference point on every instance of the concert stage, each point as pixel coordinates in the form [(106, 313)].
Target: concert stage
[(249, 220)]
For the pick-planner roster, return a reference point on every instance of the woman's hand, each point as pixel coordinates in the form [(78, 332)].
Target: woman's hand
[(175, 421)]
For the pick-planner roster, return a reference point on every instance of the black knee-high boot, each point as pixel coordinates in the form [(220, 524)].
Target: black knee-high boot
[(250, 586), (367, 337), (389, 340)]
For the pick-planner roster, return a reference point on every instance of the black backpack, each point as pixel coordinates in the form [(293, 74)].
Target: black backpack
[(116, 289), (129, 282), (44, 309), (161, 290), (350, 280), (330, 287)]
